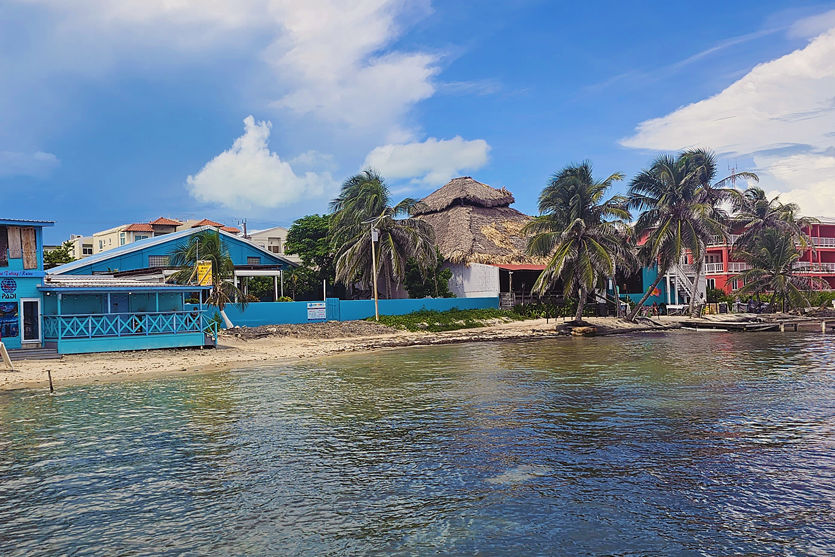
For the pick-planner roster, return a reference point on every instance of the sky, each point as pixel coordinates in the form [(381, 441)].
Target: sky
[(121, 111)]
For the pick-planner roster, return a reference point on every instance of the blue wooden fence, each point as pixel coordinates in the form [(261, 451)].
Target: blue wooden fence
[(280, 313)]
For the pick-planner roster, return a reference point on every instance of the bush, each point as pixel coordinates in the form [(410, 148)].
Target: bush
[(717, 295), (543, 309), (452, 320), (214, 319), (285, 299), (192, 301)]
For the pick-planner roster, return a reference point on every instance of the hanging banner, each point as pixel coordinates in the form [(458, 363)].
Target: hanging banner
[(204, 273)]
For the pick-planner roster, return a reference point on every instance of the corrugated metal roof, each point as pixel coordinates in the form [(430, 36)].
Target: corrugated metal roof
[(25, 221), (98, 281), (151, 242)]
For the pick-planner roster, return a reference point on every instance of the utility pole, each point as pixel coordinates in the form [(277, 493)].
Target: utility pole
[(374, 271)]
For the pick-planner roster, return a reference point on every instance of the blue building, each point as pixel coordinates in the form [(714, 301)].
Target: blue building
[(21, 273), (148, 260)]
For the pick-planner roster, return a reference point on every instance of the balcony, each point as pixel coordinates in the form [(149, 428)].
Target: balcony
[(807, 267), (714, 268), (824, 242), (737, 267), (720, 240)]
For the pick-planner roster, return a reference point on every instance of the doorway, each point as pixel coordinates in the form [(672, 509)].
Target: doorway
[(30, 320)]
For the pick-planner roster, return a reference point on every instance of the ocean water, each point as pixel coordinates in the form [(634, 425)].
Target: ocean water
[(678, 444)]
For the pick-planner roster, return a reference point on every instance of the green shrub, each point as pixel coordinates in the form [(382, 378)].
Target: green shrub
[(213, 319), (452, 320), (192, 301), (285, 299)]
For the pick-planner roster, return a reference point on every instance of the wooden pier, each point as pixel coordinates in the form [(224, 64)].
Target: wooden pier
[(760, 325)]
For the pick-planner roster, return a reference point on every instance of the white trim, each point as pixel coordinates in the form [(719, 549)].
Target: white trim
[(39, 340)]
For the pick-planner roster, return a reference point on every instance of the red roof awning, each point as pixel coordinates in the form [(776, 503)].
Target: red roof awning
[(162, 221), (139, 227)]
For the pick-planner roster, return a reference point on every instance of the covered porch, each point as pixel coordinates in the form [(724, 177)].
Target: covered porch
[(103, 314)]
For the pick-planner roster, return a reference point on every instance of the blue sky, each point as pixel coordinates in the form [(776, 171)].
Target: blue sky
[(117, 111)]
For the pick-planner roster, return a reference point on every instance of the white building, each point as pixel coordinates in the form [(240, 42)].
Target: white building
[(272, 240)]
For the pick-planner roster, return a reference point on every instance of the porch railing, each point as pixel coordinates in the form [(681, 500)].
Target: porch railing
[(807, 267), (714, 268), (125, 325), (824, 242), (736, 267)]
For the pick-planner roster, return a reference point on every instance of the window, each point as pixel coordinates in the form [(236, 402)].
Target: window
[(138, 237), (157, 261), (87, 249), (735, 284), (253, 260), (711, 284), (101, 244), (275, 249), (122, 239)]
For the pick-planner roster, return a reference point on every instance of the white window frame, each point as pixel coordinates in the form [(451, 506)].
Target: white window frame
[(40, 321)]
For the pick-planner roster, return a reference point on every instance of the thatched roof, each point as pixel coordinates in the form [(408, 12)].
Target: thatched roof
[(474, 224), (465, 191)]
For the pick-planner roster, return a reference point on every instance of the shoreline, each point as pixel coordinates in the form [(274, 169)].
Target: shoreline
[(234, 351)]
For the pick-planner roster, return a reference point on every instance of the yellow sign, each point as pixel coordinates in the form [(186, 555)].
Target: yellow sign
[(204, 273)]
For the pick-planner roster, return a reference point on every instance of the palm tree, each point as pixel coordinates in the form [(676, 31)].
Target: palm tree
[(771, 258), (582, 234), (679, 212), (754, 213), (364, 201), (713, 196), (207, 245)]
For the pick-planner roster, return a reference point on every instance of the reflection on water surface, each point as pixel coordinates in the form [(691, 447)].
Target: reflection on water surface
[(658, 445)]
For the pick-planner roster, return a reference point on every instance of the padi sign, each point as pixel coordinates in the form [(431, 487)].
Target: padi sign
[(8, 287)]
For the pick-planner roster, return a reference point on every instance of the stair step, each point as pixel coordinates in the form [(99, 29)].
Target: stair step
[(34, 354)]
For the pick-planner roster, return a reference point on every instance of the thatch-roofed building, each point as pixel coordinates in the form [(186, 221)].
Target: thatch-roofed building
[(481, 237)]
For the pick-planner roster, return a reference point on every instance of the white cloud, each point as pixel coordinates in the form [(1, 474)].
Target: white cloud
[(812, 26), (249, 175), (35, 165), (329, 58), (432, 162), (781, 114)]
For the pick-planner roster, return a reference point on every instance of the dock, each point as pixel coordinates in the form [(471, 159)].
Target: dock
[(761, 324)]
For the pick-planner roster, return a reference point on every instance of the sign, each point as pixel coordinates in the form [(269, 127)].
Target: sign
[(8, 287), (204, 273), (22, 274), (317, 311)]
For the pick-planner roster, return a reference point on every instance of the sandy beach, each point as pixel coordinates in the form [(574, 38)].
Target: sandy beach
[(273, 344)]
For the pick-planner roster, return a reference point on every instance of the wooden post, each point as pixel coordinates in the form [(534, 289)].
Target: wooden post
[(823, 327), (782, 327), (49, 374)]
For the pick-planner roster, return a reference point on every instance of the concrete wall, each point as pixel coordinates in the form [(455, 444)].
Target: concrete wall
[(474, 280), (280, 313)]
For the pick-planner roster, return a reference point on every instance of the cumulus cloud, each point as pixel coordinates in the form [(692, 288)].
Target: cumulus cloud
[(781, 115), (35, 165), (249, 175), (432, 162)]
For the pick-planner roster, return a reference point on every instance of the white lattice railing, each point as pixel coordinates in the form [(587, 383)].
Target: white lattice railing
[(124, 324)]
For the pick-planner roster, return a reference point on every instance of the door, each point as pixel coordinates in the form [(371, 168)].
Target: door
[(30, 319), (119, 303)]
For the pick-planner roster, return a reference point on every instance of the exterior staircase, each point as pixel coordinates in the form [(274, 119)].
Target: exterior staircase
[(682, 278), (34, 354)]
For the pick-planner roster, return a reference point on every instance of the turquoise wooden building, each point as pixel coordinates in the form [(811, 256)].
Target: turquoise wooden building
[(95, 313), (21, 273)]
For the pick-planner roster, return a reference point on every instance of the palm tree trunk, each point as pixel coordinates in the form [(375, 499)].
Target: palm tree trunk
[(647, 294), (581, 304), (226, 320), (388, 283), (699, 267)]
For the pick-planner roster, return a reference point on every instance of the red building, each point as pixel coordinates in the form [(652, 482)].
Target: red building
[(720, 264)]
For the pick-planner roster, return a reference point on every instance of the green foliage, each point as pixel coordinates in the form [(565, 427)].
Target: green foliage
[(309, 238), (192, 301), (261, 288), (821, 298), (285, 299), (717, 295), (433, 283), (58, 256), (541, 310), (216, 320), (365, 198), (302, 282), (582, 233), (452, 320)]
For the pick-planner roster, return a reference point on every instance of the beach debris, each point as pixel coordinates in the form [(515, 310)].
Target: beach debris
[(584, 331)]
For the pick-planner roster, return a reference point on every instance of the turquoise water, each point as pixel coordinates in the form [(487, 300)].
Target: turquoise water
[(685, 444)]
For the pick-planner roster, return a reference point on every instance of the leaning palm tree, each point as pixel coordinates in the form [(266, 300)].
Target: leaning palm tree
[(771, 259), (207, 245), (677, 215), (754, 213), (363, 202), (582, 234), (713, 196)]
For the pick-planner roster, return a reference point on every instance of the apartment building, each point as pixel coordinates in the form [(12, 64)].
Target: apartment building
[(721, 266), (272, 240)]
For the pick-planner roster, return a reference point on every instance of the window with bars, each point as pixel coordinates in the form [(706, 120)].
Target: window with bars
[(158, 261), (253, 260)]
